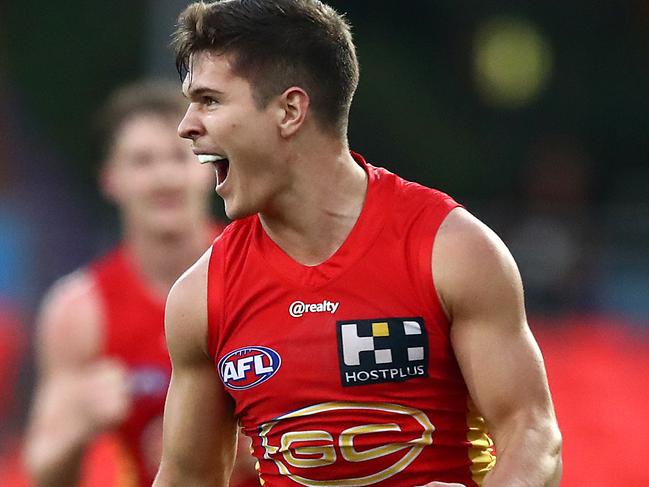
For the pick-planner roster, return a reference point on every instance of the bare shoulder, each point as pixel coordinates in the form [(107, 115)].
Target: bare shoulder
[(472, 268), (69, 324), (186, 313)]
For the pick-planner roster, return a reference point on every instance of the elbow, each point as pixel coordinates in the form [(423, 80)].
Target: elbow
[(549, 442), (554, 456), (34, 460), (169, 475), (554, 443), (47, 466), (166, 477), (533, 452), (38, 463)]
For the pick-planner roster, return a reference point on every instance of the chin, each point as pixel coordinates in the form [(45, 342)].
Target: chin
[(234, 215), (231, 209), (168, 224), (235, 212)]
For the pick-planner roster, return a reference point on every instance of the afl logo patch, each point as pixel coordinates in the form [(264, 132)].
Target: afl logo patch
[(247, 367)]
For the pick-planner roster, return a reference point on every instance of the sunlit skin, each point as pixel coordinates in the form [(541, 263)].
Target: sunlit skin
[(298, 176), (301, 180), (223, 119), (152, 176)]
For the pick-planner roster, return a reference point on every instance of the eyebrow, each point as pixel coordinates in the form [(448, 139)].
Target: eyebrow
[(201, 91)]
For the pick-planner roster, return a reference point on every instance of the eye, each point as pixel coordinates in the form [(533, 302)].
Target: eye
[(209, 101)]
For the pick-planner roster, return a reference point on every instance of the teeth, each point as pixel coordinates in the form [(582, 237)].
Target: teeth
[(205, 158)]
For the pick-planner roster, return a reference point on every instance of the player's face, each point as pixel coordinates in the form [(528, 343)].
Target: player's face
[(153, 177), (223, 121)]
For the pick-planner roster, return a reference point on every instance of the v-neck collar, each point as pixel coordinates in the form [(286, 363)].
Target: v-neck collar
[(365, 230)]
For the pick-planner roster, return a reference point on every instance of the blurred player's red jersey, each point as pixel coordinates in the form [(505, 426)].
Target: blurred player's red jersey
[(134, 334), (343, 373)]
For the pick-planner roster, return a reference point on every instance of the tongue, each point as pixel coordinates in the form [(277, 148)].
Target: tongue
[(222, 167)]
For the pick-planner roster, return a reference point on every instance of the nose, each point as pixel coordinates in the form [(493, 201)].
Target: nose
[(190, 126)]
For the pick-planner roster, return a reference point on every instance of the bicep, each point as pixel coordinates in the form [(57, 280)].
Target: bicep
[(68, 337), (199, 433), (498, 356), (68, 328), (503, 369)]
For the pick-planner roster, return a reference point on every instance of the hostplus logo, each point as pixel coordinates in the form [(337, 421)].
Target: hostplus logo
[(382, 350)]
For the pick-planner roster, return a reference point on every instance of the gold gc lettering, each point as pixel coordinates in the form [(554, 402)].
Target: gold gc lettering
[(297, 451)]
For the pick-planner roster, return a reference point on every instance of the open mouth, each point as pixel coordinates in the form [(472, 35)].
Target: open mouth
[(221, 164)]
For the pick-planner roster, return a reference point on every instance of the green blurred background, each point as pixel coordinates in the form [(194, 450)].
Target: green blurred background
[(535, 115), (520, 110)]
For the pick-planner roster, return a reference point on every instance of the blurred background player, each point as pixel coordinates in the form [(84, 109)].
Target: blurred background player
[(497, 90), (102, 361)]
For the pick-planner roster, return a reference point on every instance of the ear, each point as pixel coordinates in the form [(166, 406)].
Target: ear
[(107, 181), (295, 105)]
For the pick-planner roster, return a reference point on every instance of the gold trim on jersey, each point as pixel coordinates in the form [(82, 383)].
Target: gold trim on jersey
[(324, 455), (481, 449)]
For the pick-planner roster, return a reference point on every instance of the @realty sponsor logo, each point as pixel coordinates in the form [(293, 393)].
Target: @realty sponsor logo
[(298, 308)]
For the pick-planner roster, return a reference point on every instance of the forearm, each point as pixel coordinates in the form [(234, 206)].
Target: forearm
[(528, 455), (54, 464), (195, 459), (173, 476), (55, 446), (198, 444)]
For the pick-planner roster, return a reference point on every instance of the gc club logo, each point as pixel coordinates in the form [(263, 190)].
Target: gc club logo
[(324, 445), (247, 367)]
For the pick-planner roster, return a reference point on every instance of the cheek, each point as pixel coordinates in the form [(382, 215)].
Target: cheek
[(200, 177), (134, 186)]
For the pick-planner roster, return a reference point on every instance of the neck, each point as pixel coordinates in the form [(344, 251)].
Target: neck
[(312, 220), (161, 258)]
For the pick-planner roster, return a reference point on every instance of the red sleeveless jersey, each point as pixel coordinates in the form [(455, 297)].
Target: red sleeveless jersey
[(133, 326), (343, 373)]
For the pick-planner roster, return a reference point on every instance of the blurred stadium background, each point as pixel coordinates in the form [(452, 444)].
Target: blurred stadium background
[(535, 115)]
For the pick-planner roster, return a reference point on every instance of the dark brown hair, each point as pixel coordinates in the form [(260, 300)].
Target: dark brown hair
[(275, 45), (155, 97)]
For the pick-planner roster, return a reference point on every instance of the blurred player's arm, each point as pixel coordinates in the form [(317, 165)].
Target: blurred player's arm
[(199, 432), (78, 394), (481, 291)]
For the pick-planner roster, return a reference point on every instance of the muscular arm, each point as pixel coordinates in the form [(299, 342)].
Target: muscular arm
[(199, 436), (481, 290), (78, 394)]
